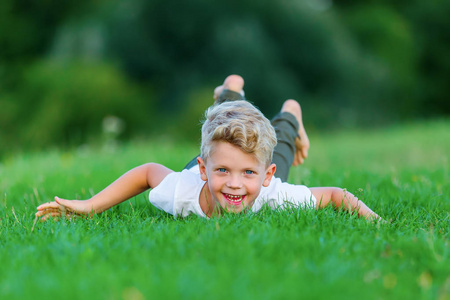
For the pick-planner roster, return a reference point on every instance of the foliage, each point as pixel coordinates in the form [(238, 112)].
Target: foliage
[(67, 103), (27, 28), (411, 37), (282, 49), (135, 251), (349, 63)]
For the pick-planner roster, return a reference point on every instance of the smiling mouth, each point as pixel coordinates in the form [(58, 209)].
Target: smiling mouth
[(234, 199)]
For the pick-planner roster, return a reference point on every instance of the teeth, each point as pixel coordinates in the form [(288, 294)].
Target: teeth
[(234, 198)]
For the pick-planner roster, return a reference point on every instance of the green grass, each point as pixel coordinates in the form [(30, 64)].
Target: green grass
[(134, 251)]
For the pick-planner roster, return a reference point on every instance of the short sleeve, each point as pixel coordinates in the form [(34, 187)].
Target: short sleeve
[(178, 194), (282, 194), (163, 195)]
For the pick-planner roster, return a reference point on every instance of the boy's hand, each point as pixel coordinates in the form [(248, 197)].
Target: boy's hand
[(63, 208)]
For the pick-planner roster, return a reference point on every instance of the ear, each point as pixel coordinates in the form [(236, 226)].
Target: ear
[(269, 174), (202, 167)]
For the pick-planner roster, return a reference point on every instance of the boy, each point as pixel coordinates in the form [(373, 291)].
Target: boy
[(234, 172)]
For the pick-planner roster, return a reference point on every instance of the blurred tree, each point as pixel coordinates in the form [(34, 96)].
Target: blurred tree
[(429, 20), (387, 40), (419, 60), (66, 104), (26, 30), (283, 49), (347, 62)]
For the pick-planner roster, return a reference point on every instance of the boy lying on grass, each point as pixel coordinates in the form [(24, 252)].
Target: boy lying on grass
[(244, 163)]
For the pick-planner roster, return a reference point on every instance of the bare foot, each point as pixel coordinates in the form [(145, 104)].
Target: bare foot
[(301, 142), (233, 83)]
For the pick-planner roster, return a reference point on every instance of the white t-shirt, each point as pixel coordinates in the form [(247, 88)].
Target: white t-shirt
[(179, 193)]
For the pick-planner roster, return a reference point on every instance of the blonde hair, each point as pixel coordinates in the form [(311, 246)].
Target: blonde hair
[(241, 124)]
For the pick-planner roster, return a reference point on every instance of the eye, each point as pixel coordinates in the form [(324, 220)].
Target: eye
[(249, 172), (221, 170)]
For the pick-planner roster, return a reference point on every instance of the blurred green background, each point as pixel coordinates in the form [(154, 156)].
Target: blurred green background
[(75, 72)]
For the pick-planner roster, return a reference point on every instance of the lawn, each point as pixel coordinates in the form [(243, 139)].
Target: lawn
[(134, 251)]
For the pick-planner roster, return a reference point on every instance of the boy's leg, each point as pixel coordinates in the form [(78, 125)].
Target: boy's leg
[(230, 90), (229, 95), (292, 141), (302, 141)]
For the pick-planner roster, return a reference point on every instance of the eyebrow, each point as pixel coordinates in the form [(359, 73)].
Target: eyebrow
[(219, 166)]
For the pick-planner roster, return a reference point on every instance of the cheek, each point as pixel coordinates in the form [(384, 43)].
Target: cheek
[(254, 188), (214, 184)]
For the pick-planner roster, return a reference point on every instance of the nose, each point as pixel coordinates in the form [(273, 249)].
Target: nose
[(234, 182)]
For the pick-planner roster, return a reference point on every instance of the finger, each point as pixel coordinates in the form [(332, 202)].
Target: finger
[(57, 212), (46, 217), (40, 213), (55, 215), (47, 212), (48, 205), (64, 204)]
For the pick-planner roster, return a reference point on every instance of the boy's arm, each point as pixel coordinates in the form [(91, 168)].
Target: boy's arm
[(128, 185), (341, 198)]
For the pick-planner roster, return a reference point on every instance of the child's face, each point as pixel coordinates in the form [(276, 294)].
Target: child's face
[(234, 177)]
